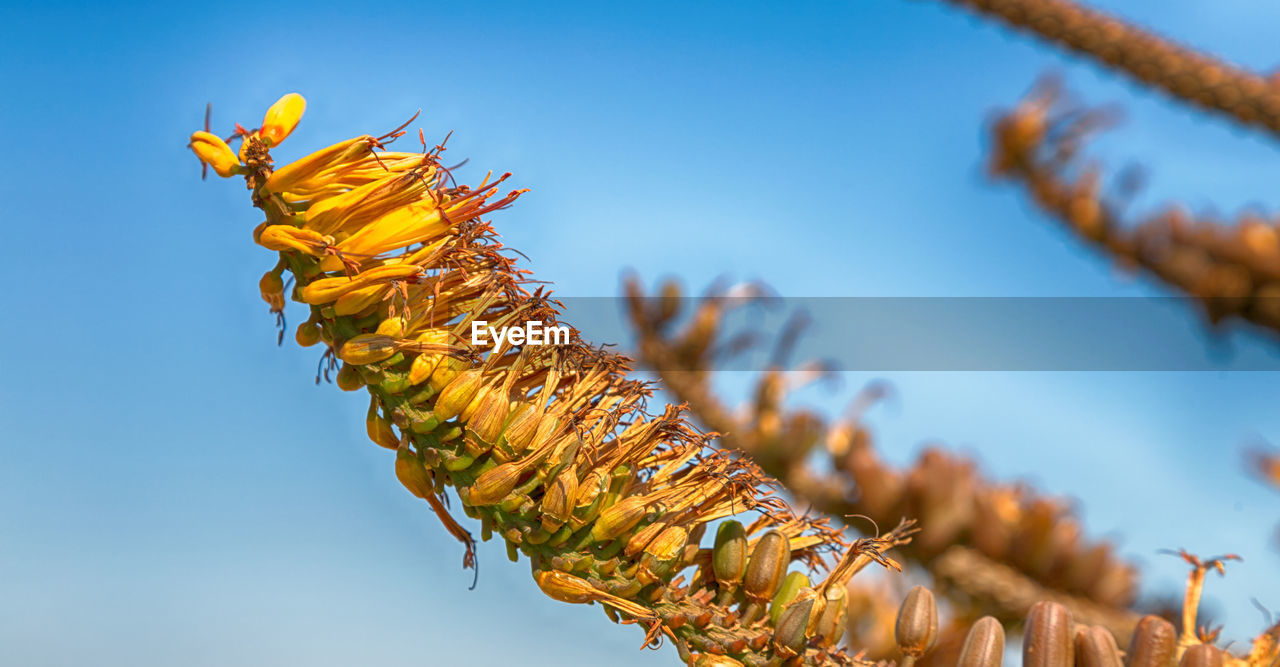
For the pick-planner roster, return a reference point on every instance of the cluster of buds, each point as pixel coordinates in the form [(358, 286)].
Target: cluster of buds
[(1028, 542), (1053, 637), (1232, 270), (549, 447), (1188, 75)]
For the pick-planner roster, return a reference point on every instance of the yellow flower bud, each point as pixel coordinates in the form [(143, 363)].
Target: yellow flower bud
[(392, 326), (308, 334), (367, 349), (349, 378), (412, 474), (379, 430), (457, 394), (215, 152), (281, 118), (271, 287)]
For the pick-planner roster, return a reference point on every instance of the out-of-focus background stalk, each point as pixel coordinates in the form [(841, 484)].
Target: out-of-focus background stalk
[(174, 489)]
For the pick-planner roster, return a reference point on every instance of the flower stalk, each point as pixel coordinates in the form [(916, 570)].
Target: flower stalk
[(549, 447)]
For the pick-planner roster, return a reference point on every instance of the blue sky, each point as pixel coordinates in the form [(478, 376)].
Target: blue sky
[(174, 489)]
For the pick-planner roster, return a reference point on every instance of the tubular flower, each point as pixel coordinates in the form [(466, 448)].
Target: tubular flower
[(215, 152), (549, 446), (281, 118)]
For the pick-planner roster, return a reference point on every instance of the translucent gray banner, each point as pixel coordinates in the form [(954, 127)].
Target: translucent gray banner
[(962, 334)]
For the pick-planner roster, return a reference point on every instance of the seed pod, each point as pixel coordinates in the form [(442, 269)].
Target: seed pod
[(495, 484), (790, 636), (1095, 647), (487, 421), (729, 557), (984, 647), (367, 349), (308, 334), (917, 626), (281, 118), (835, 615), (791, 586), (619, 518), (768, 563), (557, 503), (1154, 643), (349, 378), (1046, 639), (456, 395), (1202, 655)]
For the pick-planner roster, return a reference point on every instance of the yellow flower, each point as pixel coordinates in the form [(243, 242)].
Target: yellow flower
[(215, 152), (281, 118)]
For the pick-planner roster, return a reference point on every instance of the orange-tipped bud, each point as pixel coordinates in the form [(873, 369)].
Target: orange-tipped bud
[(282, 117), (215, 152)]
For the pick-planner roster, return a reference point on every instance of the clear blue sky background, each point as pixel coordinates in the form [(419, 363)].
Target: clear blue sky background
[(173, 488)]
